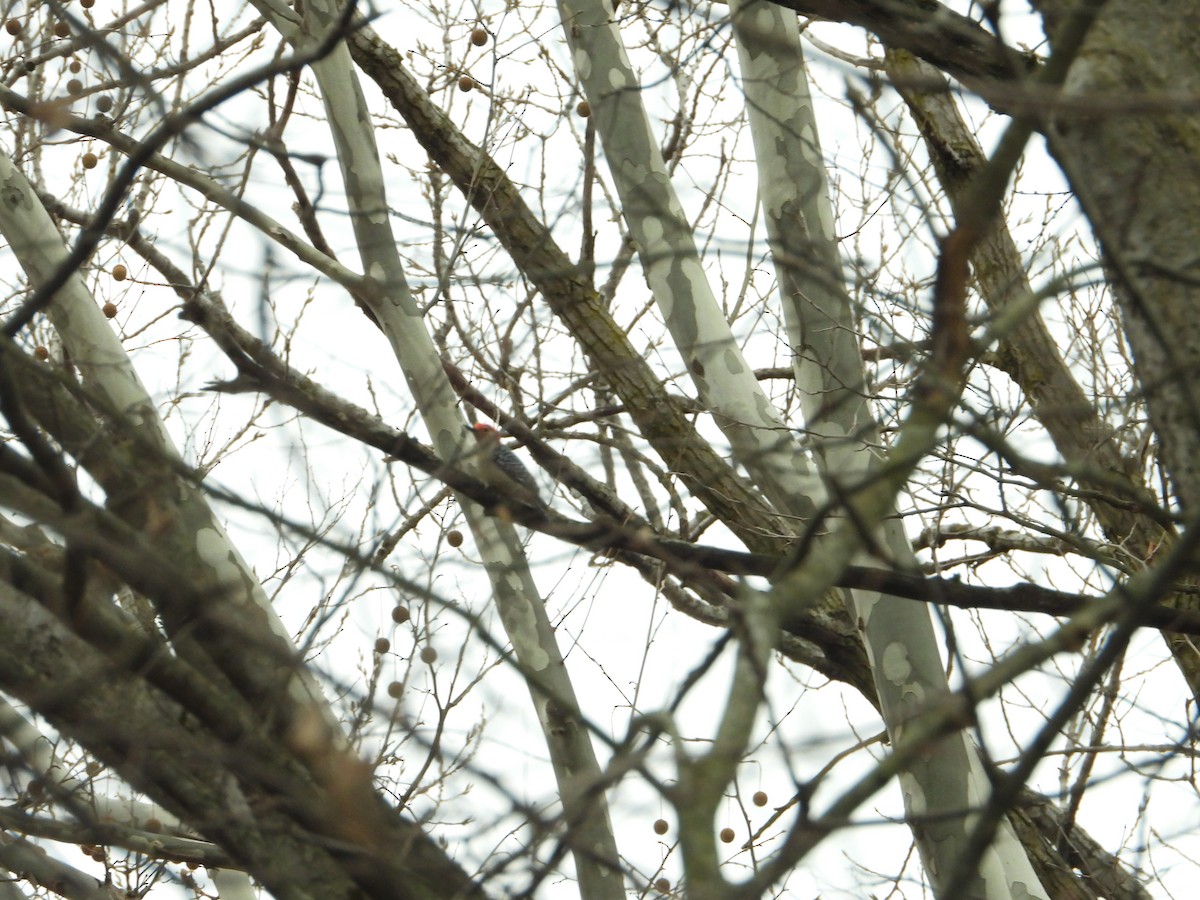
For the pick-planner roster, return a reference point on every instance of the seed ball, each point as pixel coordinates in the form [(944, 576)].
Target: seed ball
[(42, 354), (62, 29), (662, 885), (119, 272), (479, 37), (395, 690), (104, 103), (583, 109), (454, 539), (93, 767), (152, 824), (87, 4), (428, 655), (74, 86), (89, 160), (400, 615), (13, 27), (660, 826), (382, 645), (110, 310), (75, 66), (727, 835), (466, 83), (760, 798)]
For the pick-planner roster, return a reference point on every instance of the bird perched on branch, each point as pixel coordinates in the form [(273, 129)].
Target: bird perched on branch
[(500, 468)]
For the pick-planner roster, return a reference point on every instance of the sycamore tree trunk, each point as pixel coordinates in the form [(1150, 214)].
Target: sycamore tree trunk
[(587, 827), (1130, 148), (823, 331)]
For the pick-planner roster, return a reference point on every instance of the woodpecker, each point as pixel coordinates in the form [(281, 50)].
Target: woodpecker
[(500, 468)]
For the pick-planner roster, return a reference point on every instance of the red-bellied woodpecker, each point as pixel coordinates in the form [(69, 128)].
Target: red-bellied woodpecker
[(500, 468)]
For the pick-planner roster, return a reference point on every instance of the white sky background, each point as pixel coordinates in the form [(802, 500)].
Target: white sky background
[(626, 650)]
